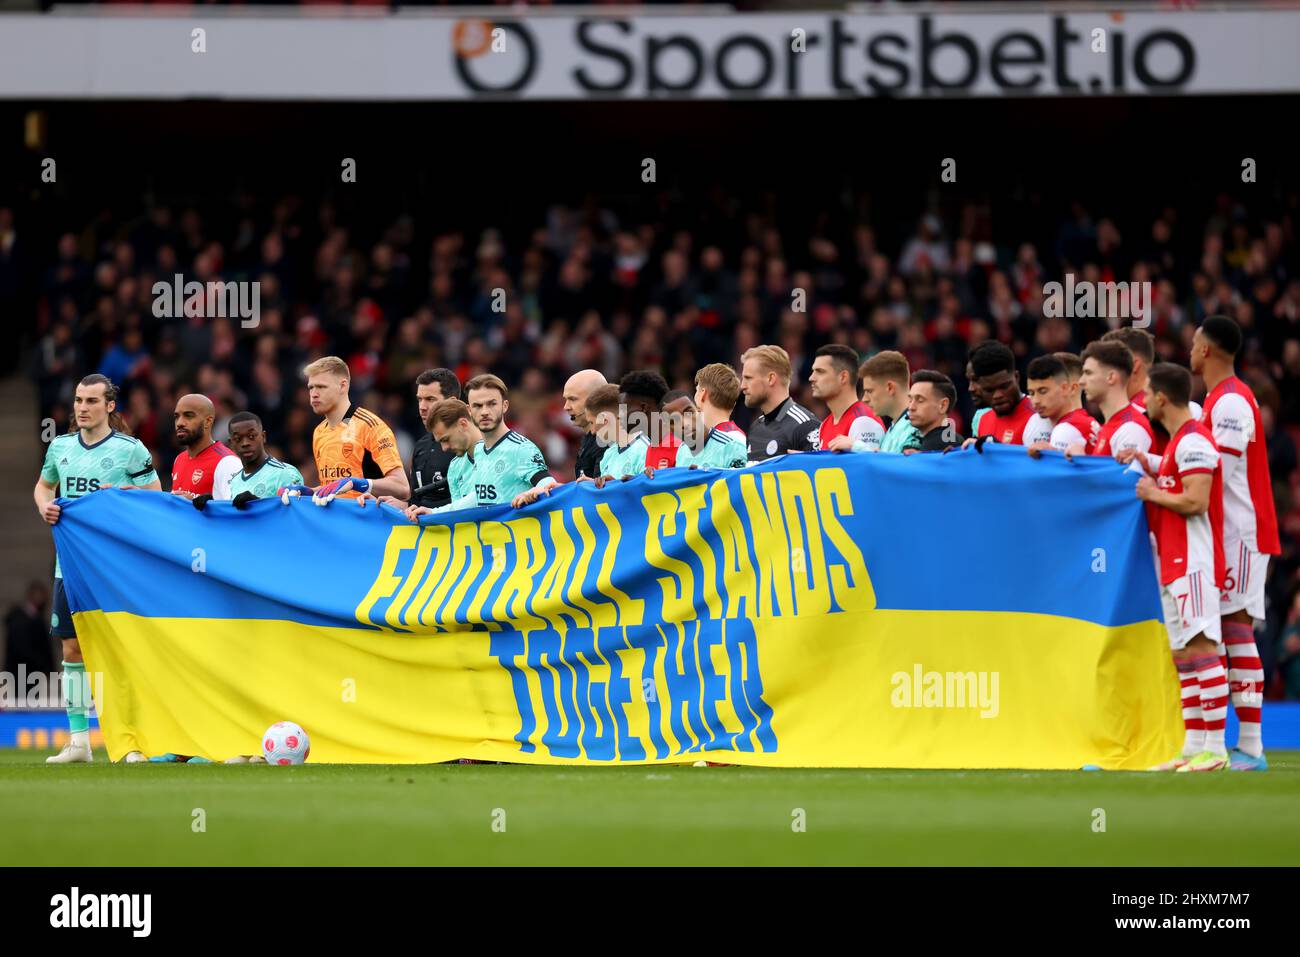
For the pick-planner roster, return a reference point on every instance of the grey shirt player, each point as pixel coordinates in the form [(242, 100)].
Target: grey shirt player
[(787, 428)]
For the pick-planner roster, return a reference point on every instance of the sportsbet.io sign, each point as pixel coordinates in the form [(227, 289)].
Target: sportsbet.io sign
[(839, 56), (794, 54)]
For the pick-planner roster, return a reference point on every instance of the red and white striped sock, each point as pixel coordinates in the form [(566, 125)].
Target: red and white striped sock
[(1214, 700), (1194, 741), (1246, 683)]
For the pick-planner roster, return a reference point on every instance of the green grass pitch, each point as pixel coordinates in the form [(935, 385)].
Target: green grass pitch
[(103, 814)]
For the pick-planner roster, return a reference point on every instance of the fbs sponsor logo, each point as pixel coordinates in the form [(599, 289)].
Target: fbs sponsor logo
[(946, 689), (74, 910)]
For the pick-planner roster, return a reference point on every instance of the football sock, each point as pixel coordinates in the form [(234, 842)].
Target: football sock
[(1246, 684), (1194, 741), (76, 691), (1214, 700)]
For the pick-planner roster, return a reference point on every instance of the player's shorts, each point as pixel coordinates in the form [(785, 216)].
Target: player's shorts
[(61, 617), (1244, 588), (1190, 609)]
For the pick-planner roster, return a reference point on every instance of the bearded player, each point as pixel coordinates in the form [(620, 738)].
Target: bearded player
[(1249, 524), (451, 424), (780, 424), (507, 465), (850, 425), (1186, 517), (203, 469), (100, 453)]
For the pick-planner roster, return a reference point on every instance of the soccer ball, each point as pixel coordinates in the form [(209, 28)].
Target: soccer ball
[(285, 743)]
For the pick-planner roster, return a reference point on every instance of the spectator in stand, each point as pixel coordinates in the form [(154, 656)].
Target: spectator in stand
[(27, 636)]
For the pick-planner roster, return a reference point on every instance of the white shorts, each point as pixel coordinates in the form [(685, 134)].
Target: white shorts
[(1190, 609), (1244, 588)]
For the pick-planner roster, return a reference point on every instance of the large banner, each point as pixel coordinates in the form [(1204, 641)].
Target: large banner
[(819, 610), (282, 54)]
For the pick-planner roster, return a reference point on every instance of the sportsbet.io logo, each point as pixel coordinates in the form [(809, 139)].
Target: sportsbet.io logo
[(826, 55)]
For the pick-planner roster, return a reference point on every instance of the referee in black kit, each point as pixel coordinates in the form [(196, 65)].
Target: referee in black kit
[(429, 462), (576, 390), (780, 424)]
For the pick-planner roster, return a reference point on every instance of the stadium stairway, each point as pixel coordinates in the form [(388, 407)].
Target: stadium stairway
[(28, 550)]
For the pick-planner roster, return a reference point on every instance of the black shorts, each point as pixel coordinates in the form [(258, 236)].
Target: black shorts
[(61, 617)]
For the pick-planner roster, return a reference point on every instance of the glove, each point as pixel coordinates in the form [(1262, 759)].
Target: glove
[(291, 491), (201, 501), (241, 500), (327, 493), (981, 442)]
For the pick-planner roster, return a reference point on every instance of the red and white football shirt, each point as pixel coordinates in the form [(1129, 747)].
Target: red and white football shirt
[(663, 455), (1129, 428), (1075, 428), (1159, 437), (208, 473), (734, 429), (1189, 543), (1008, 429), (858, 422), (1037, 429), (1249, 517)]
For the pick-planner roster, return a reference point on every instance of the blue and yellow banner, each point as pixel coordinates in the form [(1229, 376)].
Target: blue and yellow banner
[(819, 610)]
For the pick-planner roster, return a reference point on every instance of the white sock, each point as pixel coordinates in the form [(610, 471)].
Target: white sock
[(81, 739), (1249, 739), (1214, 742)]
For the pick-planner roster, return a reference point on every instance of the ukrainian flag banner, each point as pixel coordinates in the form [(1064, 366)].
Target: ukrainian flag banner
[(821, 610)]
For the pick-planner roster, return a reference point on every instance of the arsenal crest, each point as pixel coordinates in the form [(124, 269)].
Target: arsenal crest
[(197, 477)]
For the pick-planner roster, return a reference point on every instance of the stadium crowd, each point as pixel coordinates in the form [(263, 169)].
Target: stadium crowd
[(586, 289)]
